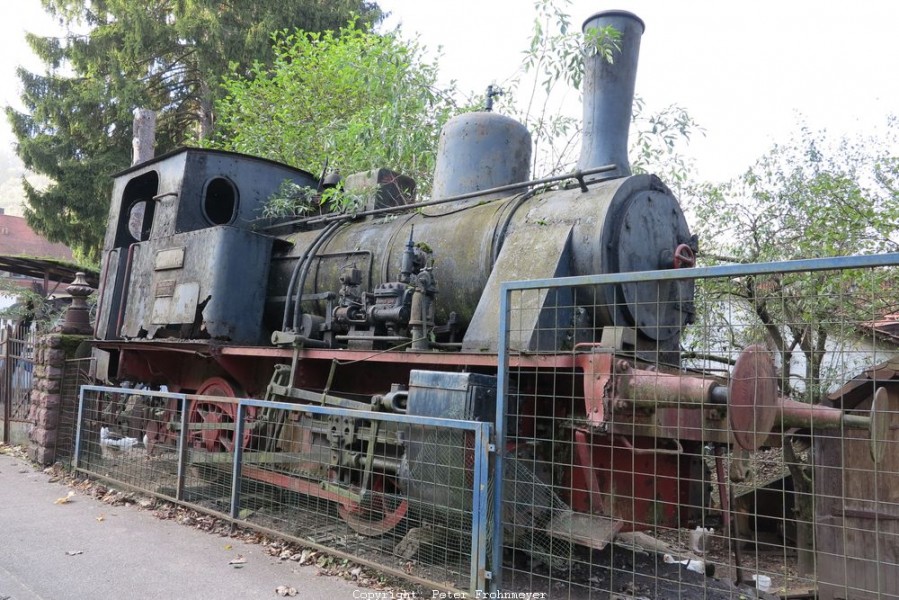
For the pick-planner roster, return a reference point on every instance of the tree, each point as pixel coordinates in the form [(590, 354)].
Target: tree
[(165, 55), (811, 197), (316, 104), (539, 96), (353, 100)]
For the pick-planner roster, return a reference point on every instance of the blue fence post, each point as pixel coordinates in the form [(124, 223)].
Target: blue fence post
[(79, 421), (238, 459), (496, 559), (182, 449), (481, 486)]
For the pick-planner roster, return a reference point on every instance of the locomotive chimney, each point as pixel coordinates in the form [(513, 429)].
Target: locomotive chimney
[(609, 94)]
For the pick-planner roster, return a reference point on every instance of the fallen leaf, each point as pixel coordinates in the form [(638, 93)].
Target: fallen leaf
[(238, 562), (283, 590), (228, 547), (101, 518), (74, 552), (65, 499)]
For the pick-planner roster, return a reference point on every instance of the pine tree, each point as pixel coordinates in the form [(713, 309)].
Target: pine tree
[(165, 55)]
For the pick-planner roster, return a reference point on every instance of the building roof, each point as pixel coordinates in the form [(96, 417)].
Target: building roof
[(887, 326), (18, 239), (864, 384), (24, 252)]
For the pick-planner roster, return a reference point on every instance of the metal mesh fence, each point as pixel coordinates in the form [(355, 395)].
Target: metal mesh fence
[(76, 373), (729, 435), (405, 494), (17, 346)]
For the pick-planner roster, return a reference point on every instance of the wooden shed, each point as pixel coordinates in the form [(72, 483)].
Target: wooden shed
[(856, 500)]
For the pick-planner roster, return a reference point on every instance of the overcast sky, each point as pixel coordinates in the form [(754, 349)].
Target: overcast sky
[(18, 16), (743, 69)]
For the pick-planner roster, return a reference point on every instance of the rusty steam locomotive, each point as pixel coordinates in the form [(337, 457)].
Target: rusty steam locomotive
[(200, 294)]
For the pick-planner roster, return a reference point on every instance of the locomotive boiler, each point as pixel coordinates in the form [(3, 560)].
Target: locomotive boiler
[(201, 294), (185, 235)]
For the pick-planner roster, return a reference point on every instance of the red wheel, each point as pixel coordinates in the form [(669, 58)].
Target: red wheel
[(158, 433), (211, 413), (158, 429), (382, 509)]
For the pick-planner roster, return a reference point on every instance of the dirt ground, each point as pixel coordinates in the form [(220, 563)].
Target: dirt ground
[(769, 547)]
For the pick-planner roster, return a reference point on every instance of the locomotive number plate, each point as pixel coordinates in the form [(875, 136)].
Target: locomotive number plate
[(164, 288), (171, 258)]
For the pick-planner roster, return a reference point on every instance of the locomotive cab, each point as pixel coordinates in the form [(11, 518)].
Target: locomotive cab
[(182, 254)]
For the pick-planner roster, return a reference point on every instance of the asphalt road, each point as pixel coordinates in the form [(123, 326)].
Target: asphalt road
[(67, 551)]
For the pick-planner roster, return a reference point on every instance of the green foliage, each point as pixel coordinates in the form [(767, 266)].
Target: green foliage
[(553, 65), (811, 197), (31, 305), (539, 96), (292, 200), (164, 55), (556, 52), (352, 99), (317, 103), (657, 141)]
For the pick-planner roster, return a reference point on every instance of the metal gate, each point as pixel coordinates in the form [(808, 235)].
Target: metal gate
[(17, 344)]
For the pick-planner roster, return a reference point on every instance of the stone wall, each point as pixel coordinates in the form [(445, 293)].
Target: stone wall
[(51, 352)]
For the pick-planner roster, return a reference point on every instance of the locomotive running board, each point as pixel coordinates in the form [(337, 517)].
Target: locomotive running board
[(593, 531)]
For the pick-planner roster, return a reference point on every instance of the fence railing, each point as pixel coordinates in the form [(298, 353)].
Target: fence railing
[(736, 427), (306, 473), (17, 345), (710, 433)]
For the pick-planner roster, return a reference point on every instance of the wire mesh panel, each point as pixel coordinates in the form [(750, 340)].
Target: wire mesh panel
[(405, 493), (18, 345), (75, 375), (134, 437), (709, 433)]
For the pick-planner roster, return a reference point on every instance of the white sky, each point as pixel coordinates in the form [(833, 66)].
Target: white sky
[(18, 16), (743, 69)]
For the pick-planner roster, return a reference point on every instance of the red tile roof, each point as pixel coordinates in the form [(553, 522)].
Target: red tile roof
[(18, 239)]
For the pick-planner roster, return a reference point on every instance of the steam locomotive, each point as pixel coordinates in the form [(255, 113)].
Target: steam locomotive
[(200, 294)]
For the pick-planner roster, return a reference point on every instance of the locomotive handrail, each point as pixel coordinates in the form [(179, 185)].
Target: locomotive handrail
[(579, 175)]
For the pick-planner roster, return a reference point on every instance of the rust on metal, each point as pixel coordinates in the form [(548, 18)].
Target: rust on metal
[(597, 368), (661, 389), (752, 405), (585, 458)]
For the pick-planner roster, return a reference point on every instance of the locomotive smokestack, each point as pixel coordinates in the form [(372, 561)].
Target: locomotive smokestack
[(609, 94)]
